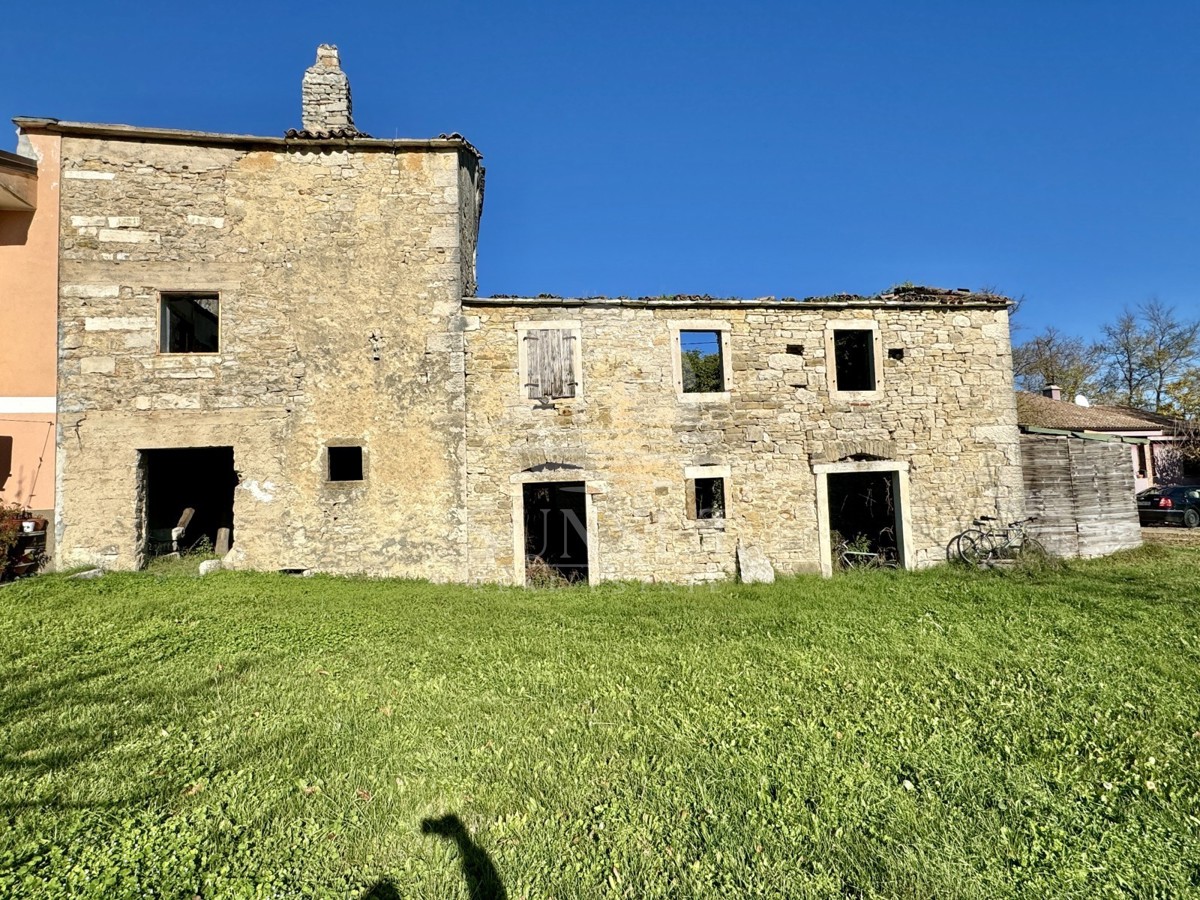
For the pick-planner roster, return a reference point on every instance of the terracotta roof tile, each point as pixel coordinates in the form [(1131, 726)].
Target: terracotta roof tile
[(1043, 412)]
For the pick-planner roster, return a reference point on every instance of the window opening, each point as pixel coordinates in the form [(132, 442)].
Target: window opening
[(708, 496), (896, 353), (551, 363), (189, 323), (700, 360), (345, 463), (854, 359), (6, 458)]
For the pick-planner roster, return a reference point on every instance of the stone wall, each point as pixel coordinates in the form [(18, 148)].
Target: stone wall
[(325, 101), (339, 270), (946, 409)]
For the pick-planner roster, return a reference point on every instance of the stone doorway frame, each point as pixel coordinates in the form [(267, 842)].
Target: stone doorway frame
[(822, 471), (566, 473)]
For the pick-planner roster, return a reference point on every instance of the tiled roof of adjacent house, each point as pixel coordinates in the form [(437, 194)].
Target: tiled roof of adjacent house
[(1036, 411)]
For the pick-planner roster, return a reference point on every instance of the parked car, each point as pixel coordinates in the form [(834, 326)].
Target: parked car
[(1175, 504)]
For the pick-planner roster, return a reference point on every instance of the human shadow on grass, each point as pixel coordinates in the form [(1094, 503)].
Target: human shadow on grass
[(483, 881), (383, 889)]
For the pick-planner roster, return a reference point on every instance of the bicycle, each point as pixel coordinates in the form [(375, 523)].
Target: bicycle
[(850, 558), (986, 544)]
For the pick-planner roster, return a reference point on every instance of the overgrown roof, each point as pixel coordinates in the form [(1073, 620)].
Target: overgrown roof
[(903, 295)]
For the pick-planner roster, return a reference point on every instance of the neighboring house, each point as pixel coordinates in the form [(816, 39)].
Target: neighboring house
[(28, 303), (1080, 490), (1153, 447), (281, 335)]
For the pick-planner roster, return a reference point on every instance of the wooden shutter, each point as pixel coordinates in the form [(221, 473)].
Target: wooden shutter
[(551, 356), (533, 352)]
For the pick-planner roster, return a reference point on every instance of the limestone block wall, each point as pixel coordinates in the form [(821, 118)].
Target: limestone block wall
[(946, 409), (340, 272)]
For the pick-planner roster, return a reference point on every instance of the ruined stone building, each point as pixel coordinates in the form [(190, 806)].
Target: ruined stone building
[(281, 334)]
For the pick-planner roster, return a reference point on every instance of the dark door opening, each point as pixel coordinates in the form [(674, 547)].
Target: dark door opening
[(200, 479), (556, 530), (864, 511)]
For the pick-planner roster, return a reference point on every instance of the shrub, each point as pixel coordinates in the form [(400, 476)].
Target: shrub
[(10, 532)]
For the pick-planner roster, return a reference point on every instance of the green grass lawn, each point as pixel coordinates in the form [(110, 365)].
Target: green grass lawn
[(935, 734)]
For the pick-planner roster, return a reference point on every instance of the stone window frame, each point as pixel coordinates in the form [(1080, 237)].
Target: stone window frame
[(871, 325), (904, 533), (575, 327), (591, 486), (723, 327), (165, 294), (344, 484), (690, 474)]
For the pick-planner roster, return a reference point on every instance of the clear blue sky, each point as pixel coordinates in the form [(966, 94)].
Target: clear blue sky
[(1050, 149)]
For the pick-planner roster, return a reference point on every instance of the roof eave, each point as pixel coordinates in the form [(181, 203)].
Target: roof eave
[(33, 124), (18, 183), (730, 303)]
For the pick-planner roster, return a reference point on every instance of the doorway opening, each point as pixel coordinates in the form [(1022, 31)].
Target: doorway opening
[(188, 499), (556, 540), (864, 512)]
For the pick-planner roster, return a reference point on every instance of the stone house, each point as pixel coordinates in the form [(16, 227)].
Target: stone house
[(280, 336)]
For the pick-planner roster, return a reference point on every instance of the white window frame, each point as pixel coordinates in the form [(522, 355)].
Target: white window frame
[(831, 357), (717, 325), (690, 474), (575, 327), (591, 486)]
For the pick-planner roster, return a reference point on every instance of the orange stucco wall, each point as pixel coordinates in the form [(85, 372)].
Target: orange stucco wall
[(28, 338)]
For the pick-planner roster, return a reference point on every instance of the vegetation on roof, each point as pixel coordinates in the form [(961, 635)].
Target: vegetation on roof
[(898, 294)]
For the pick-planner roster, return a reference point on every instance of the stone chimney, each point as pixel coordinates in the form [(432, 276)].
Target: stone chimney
[(325, 94), (1053, 391)]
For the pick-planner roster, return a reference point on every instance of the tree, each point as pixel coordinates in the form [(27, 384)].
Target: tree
[(1174, 349), (702, 372), (1144, 353), (1183, 396), (1122, 356), (1055, 358)]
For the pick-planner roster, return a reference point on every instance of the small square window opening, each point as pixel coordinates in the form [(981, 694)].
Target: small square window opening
[(700, 359), (189, 323), (854, 359), (709, 498), (345, 463), (896, 353)]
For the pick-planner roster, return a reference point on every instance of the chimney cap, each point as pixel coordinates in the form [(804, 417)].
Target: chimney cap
[(327, 55), (1053, 391)]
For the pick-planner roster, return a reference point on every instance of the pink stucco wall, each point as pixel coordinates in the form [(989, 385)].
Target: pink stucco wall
[(28, 338)]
